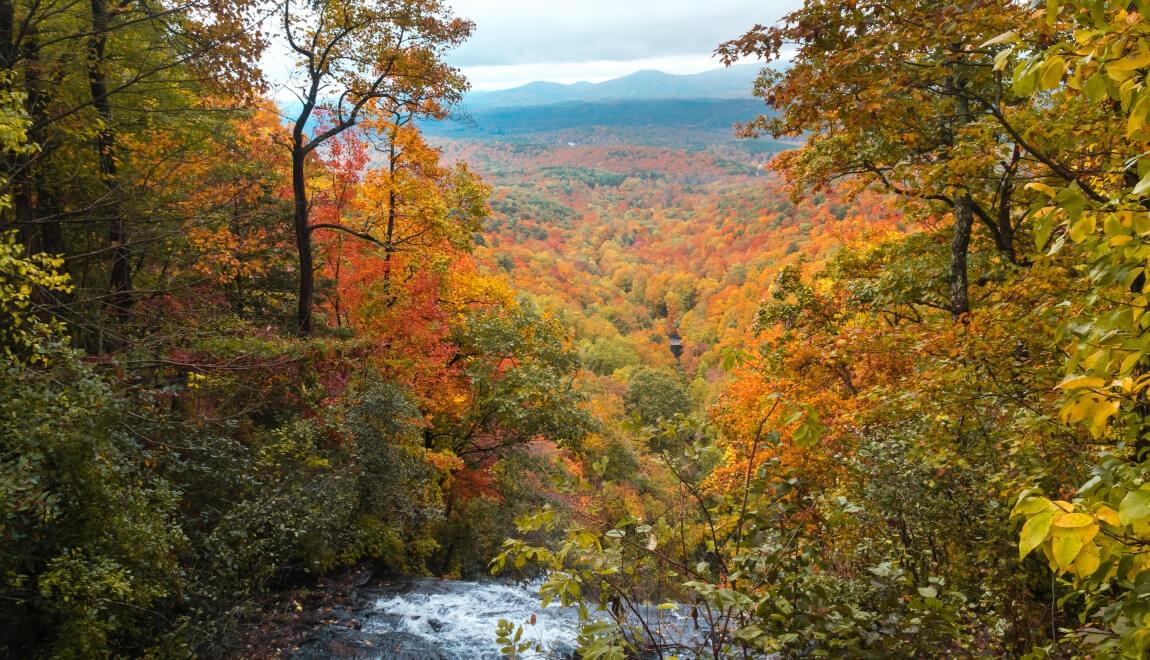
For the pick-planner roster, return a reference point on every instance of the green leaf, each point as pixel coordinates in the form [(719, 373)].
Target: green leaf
[(1135, 507), (749, 633), (1143, 186), (1025, 79), (928, 592), (1096, 88), (1052, 71)]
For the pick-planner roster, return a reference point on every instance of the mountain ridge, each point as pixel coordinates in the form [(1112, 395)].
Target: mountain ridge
[(646, 85)]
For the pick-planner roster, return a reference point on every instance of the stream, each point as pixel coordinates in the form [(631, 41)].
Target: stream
[(428, 619)]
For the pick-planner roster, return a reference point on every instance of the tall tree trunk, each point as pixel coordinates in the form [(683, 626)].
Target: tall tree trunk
[(303, 239), (8, 51), (1006, 229), (963, 204), (8, 45), (36, 206), (120, 280), (16, 165), (337, 282), (959, 251), (392, 198)]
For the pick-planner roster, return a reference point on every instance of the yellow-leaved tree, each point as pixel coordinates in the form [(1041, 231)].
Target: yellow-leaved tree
[(1090, 60)]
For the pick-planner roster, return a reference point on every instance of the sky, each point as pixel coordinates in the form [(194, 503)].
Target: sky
[(566, 41)]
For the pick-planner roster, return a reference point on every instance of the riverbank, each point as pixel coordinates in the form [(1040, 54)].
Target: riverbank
[(290, 620)]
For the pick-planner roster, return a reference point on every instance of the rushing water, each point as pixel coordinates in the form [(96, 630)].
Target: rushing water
[(443, 620), (458, 620), (429, 619)]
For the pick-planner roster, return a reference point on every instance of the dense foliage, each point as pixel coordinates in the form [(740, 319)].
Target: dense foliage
[(874, 389), (934, 441), (170, 446)]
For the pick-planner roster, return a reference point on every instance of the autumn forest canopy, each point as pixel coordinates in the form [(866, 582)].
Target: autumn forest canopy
[(865, 374)]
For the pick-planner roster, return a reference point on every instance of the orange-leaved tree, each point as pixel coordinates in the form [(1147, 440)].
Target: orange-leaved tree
[(355, 59)]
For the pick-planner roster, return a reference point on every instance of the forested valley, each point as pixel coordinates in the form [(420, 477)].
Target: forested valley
[(867, 375)]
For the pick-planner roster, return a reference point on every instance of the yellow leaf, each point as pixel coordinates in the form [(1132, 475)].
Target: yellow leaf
[(1141, 223), (1031, 506), (1073, 520), (1088, 561), (1128, 364), (1083, 227), (1082, 383), (1101, 415), (1130, 62), (1135, 123), (1141, 528), (1004, 38), (1065, 544), (1002, 59), (1034, 533), (1078, 409), (1107, 515)]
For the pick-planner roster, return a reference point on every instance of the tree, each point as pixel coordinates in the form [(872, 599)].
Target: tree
[(416, 205), (148, 68), (358, 58), (656, 394), (520, 370), (889, 96), (1092, 58)]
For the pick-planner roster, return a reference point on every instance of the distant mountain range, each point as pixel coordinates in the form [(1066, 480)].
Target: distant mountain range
[(731, 83), (662, 122), (649, 108)]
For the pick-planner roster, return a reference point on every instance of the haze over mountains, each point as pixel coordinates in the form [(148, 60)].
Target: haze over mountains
[(645, 108), (730, 83)]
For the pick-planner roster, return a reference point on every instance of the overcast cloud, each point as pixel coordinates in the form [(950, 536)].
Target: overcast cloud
[(566, 41), (518, 41)]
